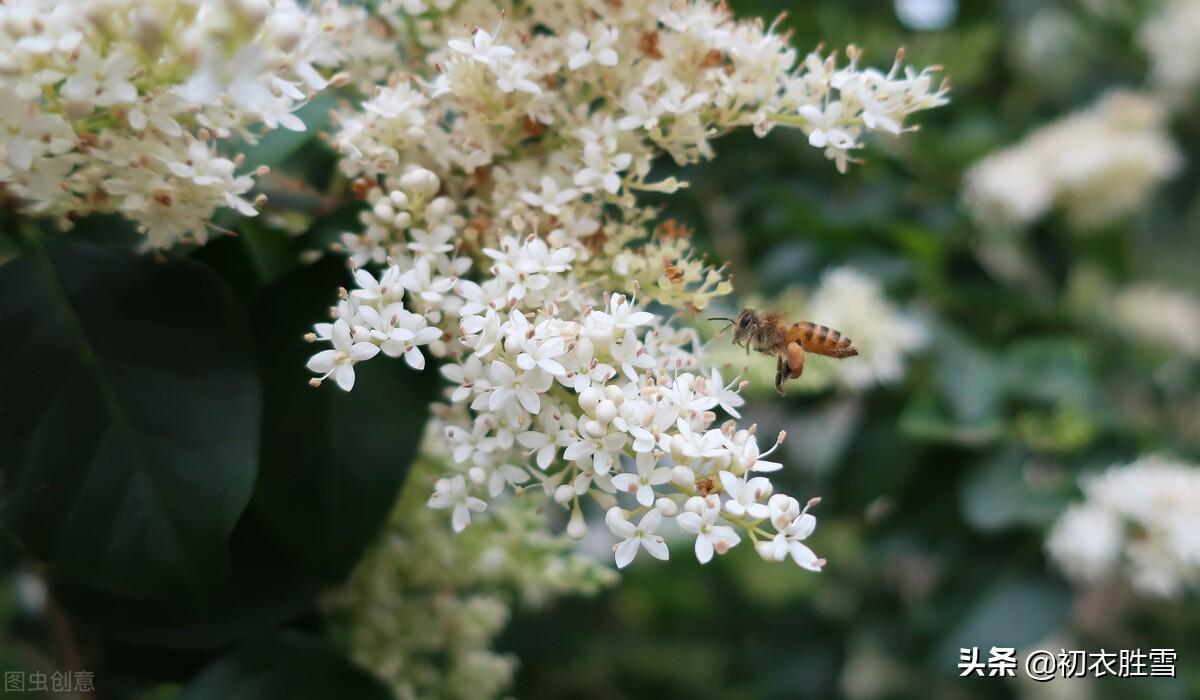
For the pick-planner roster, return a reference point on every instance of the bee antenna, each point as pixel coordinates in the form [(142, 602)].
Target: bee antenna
[(732, 323)]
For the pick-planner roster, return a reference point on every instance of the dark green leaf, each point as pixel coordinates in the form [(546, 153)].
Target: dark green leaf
[(1003, 491), (285, 666), (332, 462), (129, 423), (1016, 613), (924, 419)]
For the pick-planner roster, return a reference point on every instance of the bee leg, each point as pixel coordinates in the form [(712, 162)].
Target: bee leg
[(795, 360), (780, 375)]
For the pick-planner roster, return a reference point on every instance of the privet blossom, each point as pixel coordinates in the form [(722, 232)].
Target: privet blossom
[(1097, 166), (1139, 522), (423, 608), (1167, 37), (501, 165), (122, 106), (1158, 316)]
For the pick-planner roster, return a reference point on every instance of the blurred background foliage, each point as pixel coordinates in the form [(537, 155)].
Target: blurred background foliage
[(937, 490)]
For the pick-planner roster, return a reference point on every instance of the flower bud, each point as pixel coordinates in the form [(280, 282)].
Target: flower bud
[(766, 550), (577, 526), (477, 475), (594, 428), (613, 393), (383, 211), (399, 199), (420, 182), (441, 207), (677, 444), (606, 410), (589, 399), (287, 29), (564, 493), (667, 507), (683, 476)]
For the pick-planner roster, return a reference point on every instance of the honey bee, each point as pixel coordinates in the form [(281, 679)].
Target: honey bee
[(770, 334)]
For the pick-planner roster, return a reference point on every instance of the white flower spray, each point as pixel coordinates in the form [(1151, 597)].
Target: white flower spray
[(501, 164), (1139, 522), (123, 106), (1097, 165)]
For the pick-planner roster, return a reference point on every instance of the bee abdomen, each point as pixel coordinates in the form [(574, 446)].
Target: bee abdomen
[(824, 340)]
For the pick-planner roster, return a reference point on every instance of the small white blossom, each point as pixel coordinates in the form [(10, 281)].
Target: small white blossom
[(634, 537), (340, 360), (700, 520), (452, 493), (642, 484)]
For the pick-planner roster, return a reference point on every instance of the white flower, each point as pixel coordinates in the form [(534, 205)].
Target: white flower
[(421, 280), (598, 48), (341, 359), (595, 445), (639, 114), (701, 521), (1138, 521), (101, 82), (481, 48), (409, 332), (452, 493), (634, 538), (826, 126), (602, 167), (790, 541), (510, 388), (1099, 165), (622, 314), (727, 397), (514, 76), (541, 354), (745, 494), (551, 199), (642, 484)]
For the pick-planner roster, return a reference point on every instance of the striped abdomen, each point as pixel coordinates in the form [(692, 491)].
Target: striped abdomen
[(822, 340)]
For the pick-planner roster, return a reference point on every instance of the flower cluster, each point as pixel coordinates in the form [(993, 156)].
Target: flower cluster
[(423, 608), (1174, 56), (1158, 316), (1097, 166), (501, 164), (1141, 522), (121, 106)]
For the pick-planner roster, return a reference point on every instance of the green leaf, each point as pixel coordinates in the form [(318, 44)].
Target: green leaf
[(968, 378), (332, 462), (1050, 369), (1015, 613), (924, 419), (1001, 492), (285, 666), (129, 425), (276, 146)]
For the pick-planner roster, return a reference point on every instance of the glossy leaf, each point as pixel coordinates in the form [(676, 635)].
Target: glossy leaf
[(332, 462), (130, 415), (284, 666)]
